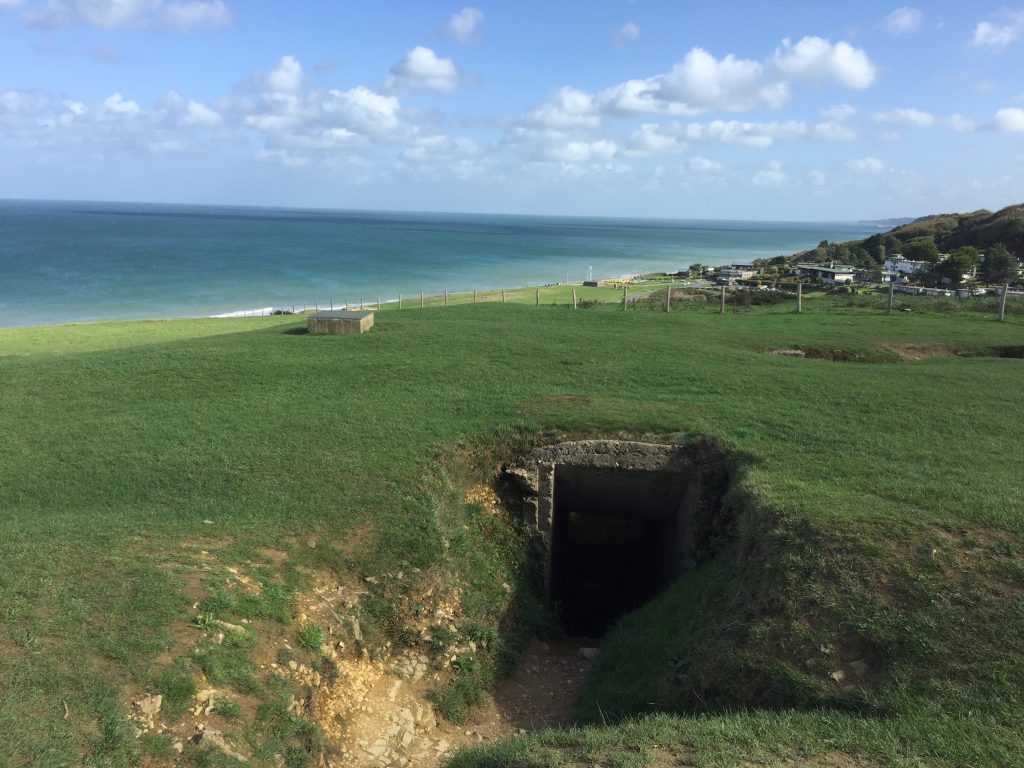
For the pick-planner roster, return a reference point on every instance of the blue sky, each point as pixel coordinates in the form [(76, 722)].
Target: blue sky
[(744, 110)]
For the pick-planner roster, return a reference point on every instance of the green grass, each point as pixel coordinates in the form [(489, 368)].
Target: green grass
[(121, 440)]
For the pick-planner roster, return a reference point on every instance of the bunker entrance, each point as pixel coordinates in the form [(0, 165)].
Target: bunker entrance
[(618, 538)]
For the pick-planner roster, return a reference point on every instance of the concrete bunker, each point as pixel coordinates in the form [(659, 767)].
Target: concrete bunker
[(618, 521)]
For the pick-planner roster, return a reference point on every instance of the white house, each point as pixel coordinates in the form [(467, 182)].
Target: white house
[(833, 274), (905, 266)]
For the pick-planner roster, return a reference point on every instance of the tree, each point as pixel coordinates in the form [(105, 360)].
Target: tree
[(921, 249), (959, 263), (999, 265)]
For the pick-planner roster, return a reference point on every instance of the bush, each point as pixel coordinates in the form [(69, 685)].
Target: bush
[(312, 637)]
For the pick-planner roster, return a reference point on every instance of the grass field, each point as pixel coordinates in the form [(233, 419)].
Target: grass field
[(883, 518)]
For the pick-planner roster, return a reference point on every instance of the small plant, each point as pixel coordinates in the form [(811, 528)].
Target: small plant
[(229, 710), (312, 636), (177, 687)]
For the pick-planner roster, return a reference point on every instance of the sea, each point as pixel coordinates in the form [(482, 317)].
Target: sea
[(66, 262)]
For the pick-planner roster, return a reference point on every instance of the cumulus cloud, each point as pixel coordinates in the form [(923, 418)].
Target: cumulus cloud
[(567, 108), (831, 130), (989, 34), (1010, 120), (627, 33), (815, 59), (114, 14), (464, 24), (771, 177), (581, 152), (903, 21), (702, 82), (423, 70), (911, 117), (865, 165)]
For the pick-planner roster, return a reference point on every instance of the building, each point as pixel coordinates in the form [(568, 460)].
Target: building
[(729, 275), (832, 273), (905, 266), (340, 321)]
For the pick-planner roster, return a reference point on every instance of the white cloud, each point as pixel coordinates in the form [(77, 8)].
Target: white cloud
[(700, 82), (627, 33), (580, 152), (1010, 120), (188, 113), (114, 14), (903, 21), (772, 177), (815, 59), (423, 70), (188, 15), (865, 165), (912, 117), (757, 135), (704, 166), (839, 113), (286, 77), (569, 107), (988, 34), (464, 24), (830, 130), (818, 179), (960, 124), (6, 4), (117, 105)]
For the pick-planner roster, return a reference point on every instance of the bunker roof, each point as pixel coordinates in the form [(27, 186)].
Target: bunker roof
[(343, 314)]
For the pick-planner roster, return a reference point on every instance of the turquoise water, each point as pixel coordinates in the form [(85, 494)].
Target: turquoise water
[(65, 262)]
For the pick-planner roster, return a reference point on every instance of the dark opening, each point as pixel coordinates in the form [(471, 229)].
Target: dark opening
[(617, 541)]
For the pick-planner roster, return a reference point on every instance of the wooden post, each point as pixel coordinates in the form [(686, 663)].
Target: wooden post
[(378, 302), (892, 290), (316, 306), (799, 298), (502, 295), (332, 305), (538, 297), (421, 299), (625, 296), (668, 297), (399, 301), (574, 298), (474, 295), (446, 297), (1002, 303), (360, 303), (721, 305)]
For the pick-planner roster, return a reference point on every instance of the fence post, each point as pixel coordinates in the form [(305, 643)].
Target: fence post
[(361, 304), (799, 298), (421, 299), (399, 301), (625, 296), (668, 297), (474, 295), (892, 289), (316, 306), (574, 298), (446, 297), (538, 297), (378, 302), (721, 304), (1002, 303), (332, 305), (502, 295)]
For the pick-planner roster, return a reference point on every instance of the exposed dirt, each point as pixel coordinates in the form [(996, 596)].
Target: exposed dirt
[(920, 351)]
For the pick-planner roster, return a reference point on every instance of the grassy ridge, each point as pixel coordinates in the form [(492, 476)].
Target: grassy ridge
[(123, 439)]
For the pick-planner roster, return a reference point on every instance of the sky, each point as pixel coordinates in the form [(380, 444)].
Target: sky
[(796, 110)]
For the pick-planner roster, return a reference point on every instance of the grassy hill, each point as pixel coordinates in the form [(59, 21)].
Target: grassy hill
[(161, 482), (980, 229)]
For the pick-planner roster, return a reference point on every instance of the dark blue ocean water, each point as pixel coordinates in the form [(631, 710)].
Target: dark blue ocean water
[(71, 261)]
